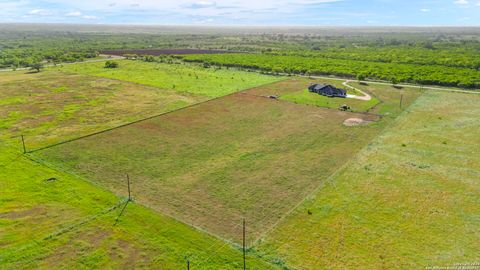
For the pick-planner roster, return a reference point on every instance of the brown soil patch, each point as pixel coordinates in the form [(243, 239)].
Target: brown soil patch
[(350, 122), (23, 213)]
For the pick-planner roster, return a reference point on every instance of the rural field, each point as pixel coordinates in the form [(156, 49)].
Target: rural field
[(398, 199), (183, 78), (78, 225), (52, 106), (211, 165), (206, 150)]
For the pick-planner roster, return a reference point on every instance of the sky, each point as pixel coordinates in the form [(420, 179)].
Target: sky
[(246, 12)]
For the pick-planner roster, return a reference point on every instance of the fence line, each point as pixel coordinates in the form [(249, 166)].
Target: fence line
[(330, 178), (147, 118)]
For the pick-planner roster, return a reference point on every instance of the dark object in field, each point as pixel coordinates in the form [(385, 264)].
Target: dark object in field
[(344, 107), (111, 64), (273, 96), (397, 86), (52, 179), (156, 52), (327, 90)]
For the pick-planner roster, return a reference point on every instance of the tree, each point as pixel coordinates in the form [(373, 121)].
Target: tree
[(111, 64), (394, 80), (149, 58), (360, 77), (36, 66)]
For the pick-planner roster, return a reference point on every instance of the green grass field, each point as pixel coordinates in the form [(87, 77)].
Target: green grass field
[(407, 201), (213, 164), (392, 100), (305, 97), (385, 98), (58, 224), (295, 90), (398, 193), (210, 82), (50, 107)]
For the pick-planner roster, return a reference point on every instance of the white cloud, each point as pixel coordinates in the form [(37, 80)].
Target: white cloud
[(79, 14), (74, 14), (40, 12), (90, 17), (425, 10), (201, 4), (188, 4), (461, 2)]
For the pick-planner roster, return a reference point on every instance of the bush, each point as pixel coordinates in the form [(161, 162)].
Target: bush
[(111, 64), (36, 67)]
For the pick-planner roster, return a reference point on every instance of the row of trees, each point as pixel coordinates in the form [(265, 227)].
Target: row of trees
[(25, 58), (421, 74), (452, 57)]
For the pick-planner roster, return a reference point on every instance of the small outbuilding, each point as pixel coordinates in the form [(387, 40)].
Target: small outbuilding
[(327, 90)]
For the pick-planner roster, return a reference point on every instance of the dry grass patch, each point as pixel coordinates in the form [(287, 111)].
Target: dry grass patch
[(50, 107), (213, 164)]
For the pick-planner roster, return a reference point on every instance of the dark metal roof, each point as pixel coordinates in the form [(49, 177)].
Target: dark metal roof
[(327, 89), (319, 86)]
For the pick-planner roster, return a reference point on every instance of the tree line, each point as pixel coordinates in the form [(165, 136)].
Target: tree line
[(393, 72)]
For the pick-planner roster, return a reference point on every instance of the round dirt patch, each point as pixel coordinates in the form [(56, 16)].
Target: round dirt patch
[(350, 122)]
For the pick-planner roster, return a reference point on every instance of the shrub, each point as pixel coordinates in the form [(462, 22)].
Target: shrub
[(111, 64)]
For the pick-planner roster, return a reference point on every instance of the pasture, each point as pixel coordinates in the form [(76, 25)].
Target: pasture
[(51, 106), (184, 78), (62, 221), (408, 200), (207, 141), (211, 165)]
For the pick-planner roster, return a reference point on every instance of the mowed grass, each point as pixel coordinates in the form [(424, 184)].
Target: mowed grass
[(296, 90), (212, 165), (392, 99), (51, 106), (194, 79), (58, 223), (408, 201)]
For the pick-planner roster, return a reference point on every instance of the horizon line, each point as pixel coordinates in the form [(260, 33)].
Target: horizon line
[(240, 25)]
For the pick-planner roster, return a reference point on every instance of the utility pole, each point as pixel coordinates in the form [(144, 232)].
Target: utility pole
[(244, 249), (129, 194), (401, 100), (23, 143), (188, 265)]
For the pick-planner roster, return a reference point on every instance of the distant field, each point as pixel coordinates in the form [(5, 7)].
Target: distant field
[(213, 164), (209, 82), (409, 200), (51, 106), (35, 211)]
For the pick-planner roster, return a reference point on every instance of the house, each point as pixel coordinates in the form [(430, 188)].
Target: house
[(327, 90)]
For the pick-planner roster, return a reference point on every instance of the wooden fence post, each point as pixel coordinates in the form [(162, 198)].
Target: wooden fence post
[(128, 183), (244, 249), (23, 143)]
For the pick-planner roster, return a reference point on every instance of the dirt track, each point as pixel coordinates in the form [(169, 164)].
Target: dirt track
[(365, 96)]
